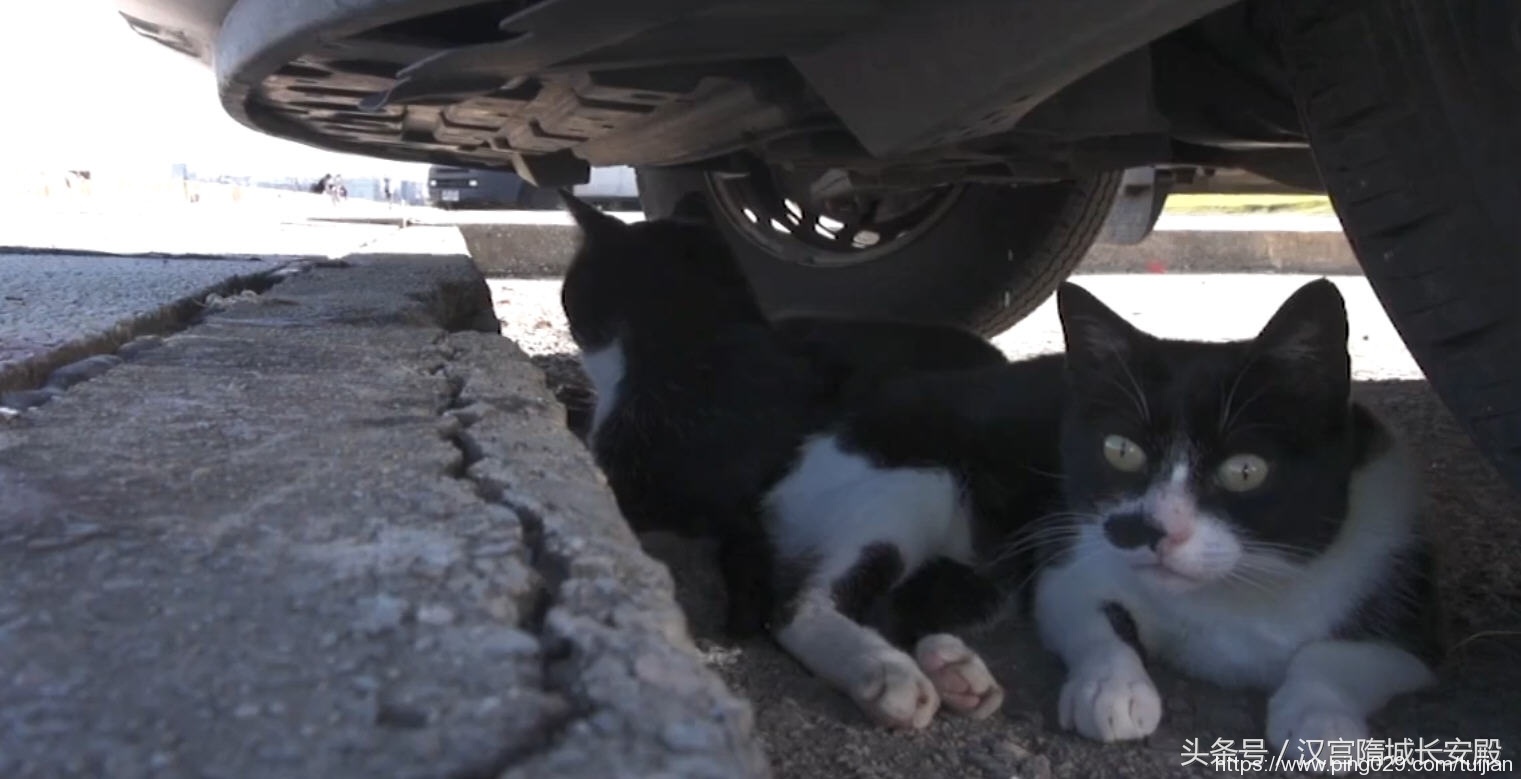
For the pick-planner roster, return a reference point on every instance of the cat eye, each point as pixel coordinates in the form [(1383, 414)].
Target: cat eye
[(1124, 454), (1242, 472)]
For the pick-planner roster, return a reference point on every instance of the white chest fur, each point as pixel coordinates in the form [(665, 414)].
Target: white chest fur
[(834, 503), (1245, 632), (604, 367)]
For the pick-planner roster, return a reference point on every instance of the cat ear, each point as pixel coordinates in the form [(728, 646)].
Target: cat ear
[(593, 223), (1096, 336), (1308, 335), (1310, 325)]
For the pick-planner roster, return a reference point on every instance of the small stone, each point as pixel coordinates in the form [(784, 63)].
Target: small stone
[(366, 683), (246, 711), (435, 614)]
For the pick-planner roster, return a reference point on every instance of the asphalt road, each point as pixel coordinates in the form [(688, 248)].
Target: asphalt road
[(810, 731)]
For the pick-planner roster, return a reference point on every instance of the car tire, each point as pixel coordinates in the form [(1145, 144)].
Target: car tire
[(1413, 110), (992, 257)]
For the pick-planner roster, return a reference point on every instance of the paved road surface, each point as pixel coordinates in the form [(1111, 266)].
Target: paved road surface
[(812, 732)]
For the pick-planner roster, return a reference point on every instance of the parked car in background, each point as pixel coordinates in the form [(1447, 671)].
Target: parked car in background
[(454, 187), (947, 160)]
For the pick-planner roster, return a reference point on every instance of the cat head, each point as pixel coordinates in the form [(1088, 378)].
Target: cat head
[(1200, 463), (675, 274)]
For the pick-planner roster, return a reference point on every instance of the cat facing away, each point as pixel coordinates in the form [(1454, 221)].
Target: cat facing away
[(1227, 501), (700, 401)]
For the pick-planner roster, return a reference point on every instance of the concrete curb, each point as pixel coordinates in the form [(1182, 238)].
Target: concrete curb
[(337, 529), (535, 248)]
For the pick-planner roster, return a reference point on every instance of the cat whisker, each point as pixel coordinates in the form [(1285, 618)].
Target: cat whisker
[(1292, 552), (1080, 553), (1030, 542)]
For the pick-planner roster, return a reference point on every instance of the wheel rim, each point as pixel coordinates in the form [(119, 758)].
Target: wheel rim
[(829, 233)]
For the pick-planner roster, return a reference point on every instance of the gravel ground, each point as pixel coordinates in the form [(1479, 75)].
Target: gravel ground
[(811, 731)]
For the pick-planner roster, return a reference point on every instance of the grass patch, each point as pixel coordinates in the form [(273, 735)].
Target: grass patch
[(1248, 204)]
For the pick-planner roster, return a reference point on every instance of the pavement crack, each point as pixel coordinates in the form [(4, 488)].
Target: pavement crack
[(556, 654), (454, 428), (37, 381)]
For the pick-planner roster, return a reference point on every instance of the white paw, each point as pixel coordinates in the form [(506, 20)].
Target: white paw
[(1303, 720), (894, 692), (959, 675), (1109, 697)]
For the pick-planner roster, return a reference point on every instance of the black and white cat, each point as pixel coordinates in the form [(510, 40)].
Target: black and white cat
[(700, 402), (1252, 525), (1227, 500)]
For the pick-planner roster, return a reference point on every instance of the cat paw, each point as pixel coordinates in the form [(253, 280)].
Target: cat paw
[(1302, 722), (959, 675), (895, 693), (1110, 697)]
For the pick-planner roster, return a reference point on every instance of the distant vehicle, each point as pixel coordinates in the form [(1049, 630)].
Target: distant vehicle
[(453, 187)]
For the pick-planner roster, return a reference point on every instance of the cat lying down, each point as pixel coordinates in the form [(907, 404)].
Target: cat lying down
[(1225, 508)]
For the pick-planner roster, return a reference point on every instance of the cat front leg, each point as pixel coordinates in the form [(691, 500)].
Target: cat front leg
[(882, 679), (1330, 689), (1108, 695)]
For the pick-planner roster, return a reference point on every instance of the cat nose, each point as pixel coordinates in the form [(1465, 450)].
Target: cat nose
[(1129, 531)]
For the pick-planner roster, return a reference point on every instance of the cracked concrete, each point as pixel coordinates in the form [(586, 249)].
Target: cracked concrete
[(58, 309), (336, 529)]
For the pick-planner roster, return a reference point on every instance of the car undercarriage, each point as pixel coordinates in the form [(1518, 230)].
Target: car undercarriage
[(946, 160), (843, 95)]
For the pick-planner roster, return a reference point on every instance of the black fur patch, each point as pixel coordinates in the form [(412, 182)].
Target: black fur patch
[(875, 572), (940, 596), (1124, 627)]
